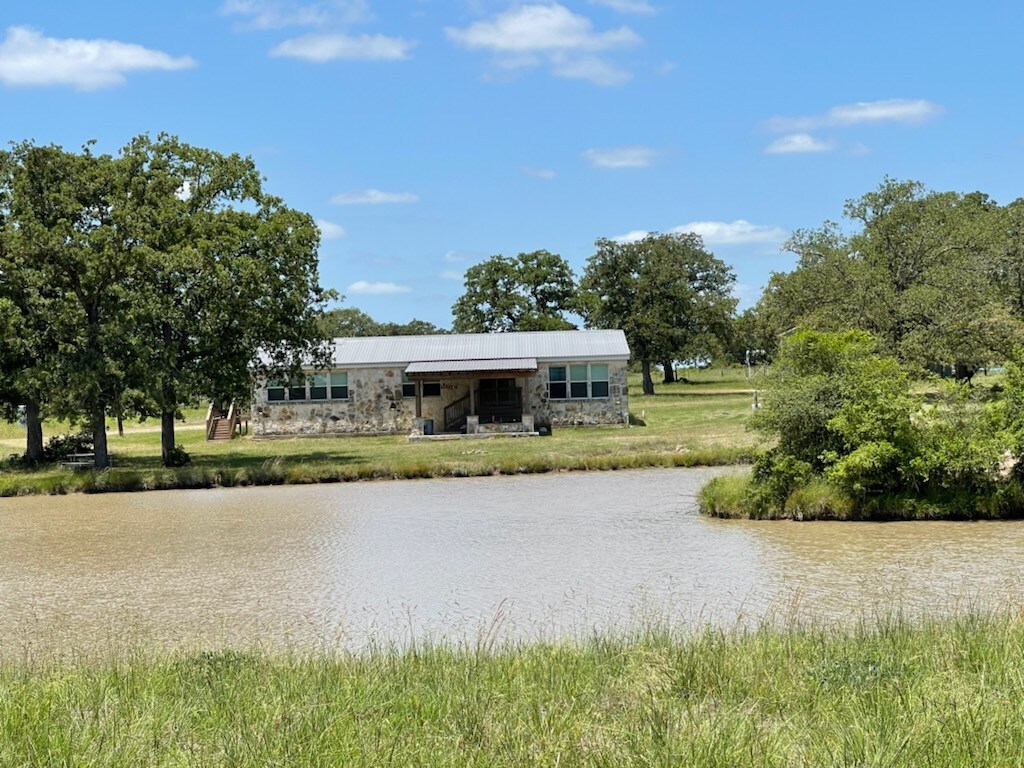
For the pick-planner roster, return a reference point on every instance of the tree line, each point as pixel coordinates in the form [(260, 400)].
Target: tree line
[(936, 277), (133, 283)]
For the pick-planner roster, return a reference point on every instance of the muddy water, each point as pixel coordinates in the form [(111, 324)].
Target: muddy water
[(464, 560)]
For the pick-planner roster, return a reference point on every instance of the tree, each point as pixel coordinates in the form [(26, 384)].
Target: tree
[(529, 292), (166, 274), (207, 227), (921, 274), (350, 321), (668, 294)]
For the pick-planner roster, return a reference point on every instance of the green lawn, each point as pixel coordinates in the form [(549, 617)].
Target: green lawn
[(701, 421)]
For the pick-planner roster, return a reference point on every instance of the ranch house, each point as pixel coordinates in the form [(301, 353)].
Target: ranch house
[(472, 384)]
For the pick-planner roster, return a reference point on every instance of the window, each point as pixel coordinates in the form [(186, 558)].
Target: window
[(297, 389), (275, 390), (556, 382), (599, 381), (318, 387), (408, 387), (431, 388), (339, 385), (577, 382)]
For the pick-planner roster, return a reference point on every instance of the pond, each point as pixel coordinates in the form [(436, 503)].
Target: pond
[(468, 560)]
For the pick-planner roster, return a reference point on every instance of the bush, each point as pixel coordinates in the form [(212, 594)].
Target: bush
[(177, 457), (59, 447), (776, 475)]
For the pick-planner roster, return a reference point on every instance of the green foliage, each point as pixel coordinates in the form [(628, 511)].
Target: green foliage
[(177, 457), (59, 447), (352, 322), (668, 294), (529, 292), (776, 475)]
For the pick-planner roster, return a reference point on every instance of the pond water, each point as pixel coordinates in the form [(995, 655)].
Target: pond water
[(469, 560)]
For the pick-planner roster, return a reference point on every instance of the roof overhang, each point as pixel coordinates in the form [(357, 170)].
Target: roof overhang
[(503, 366)]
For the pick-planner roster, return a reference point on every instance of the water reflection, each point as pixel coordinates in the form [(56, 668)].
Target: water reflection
[(526, 557)]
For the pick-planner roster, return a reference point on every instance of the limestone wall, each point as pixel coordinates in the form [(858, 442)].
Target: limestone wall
[(613, 409), (375, 406)]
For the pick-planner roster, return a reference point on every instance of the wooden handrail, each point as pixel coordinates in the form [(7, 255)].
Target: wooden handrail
[(209, 420), (455, 412)]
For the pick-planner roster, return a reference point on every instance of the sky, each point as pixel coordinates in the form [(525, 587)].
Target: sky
[(426, 135)]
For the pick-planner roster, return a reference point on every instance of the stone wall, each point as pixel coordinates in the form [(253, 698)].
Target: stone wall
[(376, 406), (613, 409)]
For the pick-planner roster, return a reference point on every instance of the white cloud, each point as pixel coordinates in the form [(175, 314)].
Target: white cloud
[(739, 232), (373, 197), (29, 58), (452, 257), (276, 14), (330, 47), (331, 231), (627, 6), (531, 35), (631, 237), (908, 111), (451, 274), (797, 143), (367, 288), (620, 157), (541, 173)]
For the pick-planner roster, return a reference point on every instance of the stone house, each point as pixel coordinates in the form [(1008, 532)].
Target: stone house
[(475, 383)]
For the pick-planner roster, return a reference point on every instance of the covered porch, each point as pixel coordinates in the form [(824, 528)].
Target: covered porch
[(488, 396)]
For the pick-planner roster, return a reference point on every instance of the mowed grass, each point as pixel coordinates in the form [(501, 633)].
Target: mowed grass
[(946, 692), (701, 421)]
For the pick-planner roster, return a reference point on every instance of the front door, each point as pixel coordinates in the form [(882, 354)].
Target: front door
[(499, 400)]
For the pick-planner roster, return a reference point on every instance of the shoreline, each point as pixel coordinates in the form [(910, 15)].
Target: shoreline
[(278, 471)]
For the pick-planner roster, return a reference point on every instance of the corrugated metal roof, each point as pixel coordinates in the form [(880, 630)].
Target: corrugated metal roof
[(473, 366), (543, 345)]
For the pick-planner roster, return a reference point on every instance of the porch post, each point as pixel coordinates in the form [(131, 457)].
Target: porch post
[(419, 399), (526, 395), (472, 399)]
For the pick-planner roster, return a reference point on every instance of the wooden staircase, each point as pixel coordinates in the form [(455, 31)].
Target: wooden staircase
[(220, 427), (455, 415)]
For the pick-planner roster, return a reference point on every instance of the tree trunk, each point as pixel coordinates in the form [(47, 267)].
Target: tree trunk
[(34, 440), (669, 367), (120, 424), (168, 408), (648, 384), (964, 373), (99, 437)]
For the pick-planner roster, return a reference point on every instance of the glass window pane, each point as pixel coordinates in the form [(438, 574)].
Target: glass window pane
[(556, 373), (319, 379), (409, 389), (431, 388), (599, 373), (318, 393), (297, 393), (599, 389), (556, 390), (578, 389), (275, 393), (339, 379), (577, 373)]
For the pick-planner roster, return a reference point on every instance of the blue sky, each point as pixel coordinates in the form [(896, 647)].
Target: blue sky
[(427, 135)]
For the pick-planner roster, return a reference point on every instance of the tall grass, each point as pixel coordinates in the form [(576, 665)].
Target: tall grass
[(945, 692)]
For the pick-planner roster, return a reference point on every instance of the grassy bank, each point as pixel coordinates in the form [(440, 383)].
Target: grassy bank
[(701, 422), (947, 693), (733, 496)]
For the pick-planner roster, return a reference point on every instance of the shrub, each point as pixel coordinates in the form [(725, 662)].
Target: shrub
[(59, 447), (177, 457), (776, 475)]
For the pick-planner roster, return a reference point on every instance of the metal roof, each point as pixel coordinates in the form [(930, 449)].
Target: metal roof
[(473, 366), (542, 345)]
